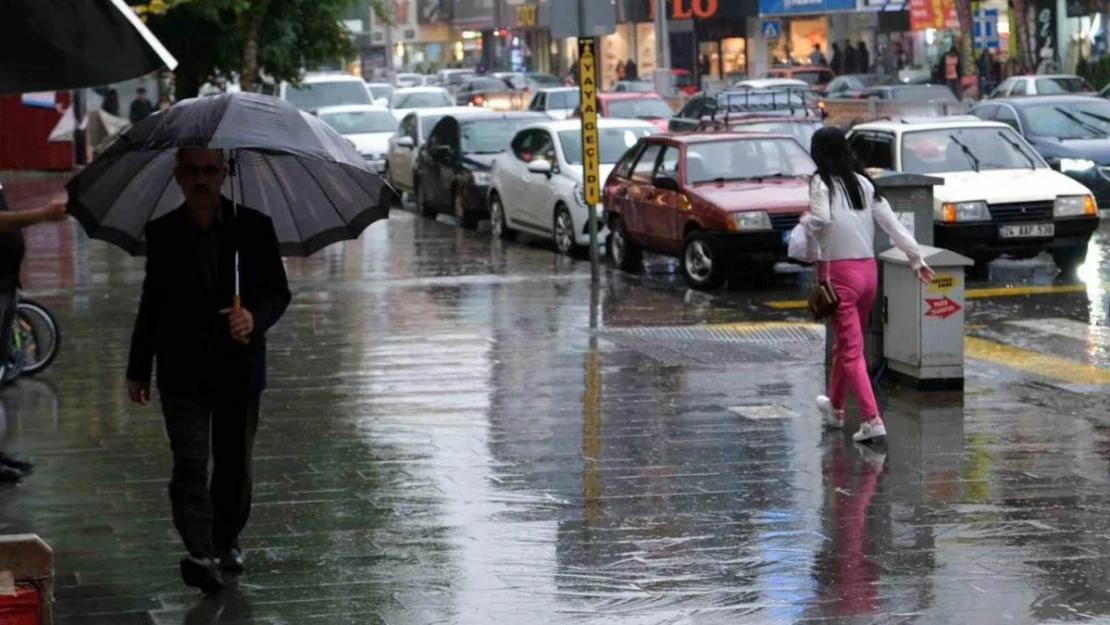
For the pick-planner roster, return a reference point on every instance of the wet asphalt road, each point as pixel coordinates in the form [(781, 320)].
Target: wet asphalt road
[(447, 441)]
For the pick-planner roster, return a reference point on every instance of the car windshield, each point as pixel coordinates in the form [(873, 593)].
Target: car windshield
[(420, 100), (429, 123), (490, 136), (802, 131), (380, 92), (1089, 119), (613, 142), (309, 97), (924, 93), (966, 149), (1061, 84), (639, 108), (359, 122), (744, 159)]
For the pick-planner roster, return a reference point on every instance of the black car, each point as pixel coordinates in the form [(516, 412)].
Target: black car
[(452, 172), (478, 90), (1071, 132), (716, 106)]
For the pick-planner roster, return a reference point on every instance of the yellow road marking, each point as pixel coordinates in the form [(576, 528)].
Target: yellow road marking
[(1001, 291), (1034, 362)]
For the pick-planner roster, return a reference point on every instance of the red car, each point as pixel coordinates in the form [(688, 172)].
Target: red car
[(646, 106), (714, 199)]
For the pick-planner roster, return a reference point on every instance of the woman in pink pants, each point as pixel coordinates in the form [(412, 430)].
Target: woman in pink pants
[(844, 207)]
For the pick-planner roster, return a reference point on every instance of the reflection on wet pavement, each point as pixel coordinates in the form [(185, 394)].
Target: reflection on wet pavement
[(447, 441)]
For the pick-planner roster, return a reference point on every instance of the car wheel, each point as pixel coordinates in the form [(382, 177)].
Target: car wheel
[(623, 254), (563, 231), (1068, 259), (467, 220), (422, 205), (499, 225), (702, 269)]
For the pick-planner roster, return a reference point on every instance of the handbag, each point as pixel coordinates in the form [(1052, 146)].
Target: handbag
[(824, 301), (803, 246)]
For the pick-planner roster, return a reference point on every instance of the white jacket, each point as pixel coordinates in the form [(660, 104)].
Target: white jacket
[(845, 233)]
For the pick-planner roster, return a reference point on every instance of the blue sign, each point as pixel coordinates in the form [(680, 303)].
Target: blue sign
[(771, 29), (985, 29), (792, 7)]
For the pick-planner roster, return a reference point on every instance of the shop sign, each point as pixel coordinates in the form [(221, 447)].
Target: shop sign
[(783, 7), (687, 9), (1042, 23), (935, 14), (587, 83), (526, 15)]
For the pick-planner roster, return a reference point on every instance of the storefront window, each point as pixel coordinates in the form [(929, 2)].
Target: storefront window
[(804, 33), (734, 57), (645, 49)]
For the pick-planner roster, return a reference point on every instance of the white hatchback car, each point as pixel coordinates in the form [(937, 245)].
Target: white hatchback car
[(999, 196), (404, 147), (368, 128), (537, 184), (325, 89), (405, 101), (557, 103)]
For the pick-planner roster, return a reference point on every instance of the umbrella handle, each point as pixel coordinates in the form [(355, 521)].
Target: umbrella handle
[(236, 304)]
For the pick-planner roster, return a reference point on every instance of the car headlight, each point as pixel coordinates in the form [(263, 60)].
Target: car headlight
[(1075, 164), (580, 195), (482, 178), (751, 220), (1074, 206), (966, 211)]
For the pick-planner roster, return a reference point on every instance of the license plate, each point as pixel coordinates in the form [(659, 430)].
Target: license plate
[(1022, 231)]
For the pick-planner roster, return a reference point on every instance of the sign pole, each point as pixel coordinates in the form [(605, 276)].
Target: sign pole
[(591, 184)]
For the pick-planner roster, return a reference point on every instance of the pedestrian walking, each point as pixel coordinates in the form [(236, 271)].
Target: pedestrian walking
[(836, 64), (631, 70), (141, 106), (211, 356), (620, 69), (953, 70), (12, 250), (863, 58), (850, 58), (844, 207), (110, 105), (817, 57)]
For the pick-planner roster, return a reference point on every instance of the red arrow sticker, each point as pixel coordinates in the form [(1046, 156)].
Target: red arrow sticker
[(944, 307)]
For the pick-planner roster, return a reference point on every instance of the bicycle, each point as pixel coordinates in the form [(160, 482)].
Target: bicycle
[(35, 341)]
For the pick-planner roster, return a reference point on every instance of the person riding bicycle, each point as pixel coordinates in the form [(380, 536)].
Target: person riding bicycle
[(12, 224)]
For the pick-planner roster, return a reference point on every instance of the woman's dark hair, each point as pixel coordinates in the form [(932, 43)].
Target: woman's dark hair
[(837, 165)]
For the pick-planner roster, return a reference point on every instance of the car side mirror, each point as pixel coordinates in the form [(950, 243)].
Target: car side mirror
[(666, 183), (406, 142), (540, 166)]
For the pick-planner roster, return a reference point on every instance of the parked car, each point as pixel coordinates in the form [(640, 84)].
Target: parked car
[(529, 81), (633, 86), (450, 79), (910, 93), (801, 128), (368, 128), (319, 90), (488, 92), (537, 185), (715, 200), (1059, 84), (381, 92), (684, 82), (453, 171), (999, 196), (409, 79), (405, 146), (405, 101), (816, 76), (556, 103), (721, 105), (1072, 133), (646, 106), (851, 85)]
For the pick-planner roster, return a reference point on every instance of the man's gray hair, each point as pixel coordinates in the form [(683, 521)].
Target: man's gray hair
[(221, 153)]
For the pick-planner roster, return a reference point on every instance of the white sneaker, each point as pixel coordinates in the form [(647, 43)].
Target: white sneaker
[(871, 455), (872, 431), (834, 419)]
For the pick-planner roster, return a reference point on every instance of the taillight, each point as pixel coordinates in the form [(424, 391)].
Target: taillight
[(477, 100)]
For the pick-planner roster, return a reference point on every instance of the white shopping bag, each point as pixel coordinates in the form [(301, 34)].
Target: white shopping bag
[(803, 246)]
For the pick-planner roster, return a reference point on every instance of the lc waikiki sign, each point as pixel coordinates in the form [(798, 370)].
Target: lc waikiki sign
[(688, 9)]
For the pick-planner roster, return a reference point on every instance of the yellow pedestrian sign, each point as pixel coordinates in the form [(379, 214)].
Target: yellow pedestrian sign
[(587, 83)]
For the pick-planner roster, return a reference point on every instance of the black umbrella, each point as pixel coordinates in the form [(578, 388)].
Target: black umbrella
[(48, 45), (286, 163)]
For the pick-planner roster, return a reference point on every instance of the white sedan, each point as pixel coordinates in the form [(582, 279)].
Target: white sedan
[(368, 128), (537, 184), (405, 101)]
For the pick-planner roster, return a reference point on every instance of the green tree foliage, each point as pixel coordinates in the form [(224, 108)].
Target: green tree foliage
[(247, 37)]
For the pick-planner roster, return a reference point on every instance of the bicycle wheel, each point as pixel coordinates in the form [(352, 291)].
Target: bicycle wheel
[(13, 364), (40, 336)]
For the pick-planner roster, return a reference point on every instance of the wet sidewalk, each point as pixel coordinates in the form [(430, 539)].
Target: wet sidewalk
[(447, 441)]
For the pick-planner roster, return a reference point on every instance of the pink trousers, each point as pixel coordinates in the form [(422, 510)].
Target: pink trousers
[(855, 282)]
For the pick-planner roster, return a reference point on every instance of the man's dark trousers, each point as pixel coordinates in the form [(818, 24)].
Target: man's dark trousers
[(209, 515)]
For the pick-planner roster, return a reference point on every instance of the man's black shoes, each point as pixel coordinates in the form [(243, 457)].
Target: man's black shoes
[(232, 561), (19, 465), (9, 474), (201, 573)]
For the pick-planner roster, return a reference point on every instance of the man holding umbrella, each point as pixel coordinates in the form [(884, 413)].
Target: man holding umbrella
[(211, 357)]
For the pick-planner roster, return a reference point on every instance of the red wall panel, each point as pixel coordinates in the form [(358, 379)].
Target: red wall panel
[(23, 136)]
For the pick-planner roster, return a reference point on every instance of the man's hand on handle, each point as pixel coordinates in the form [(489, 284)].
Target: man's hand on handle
[(139, 392), (241, 321)]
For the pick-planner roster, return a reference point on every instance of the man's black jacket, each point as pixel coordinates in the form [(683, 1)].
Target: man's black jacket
[(179, 323)]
